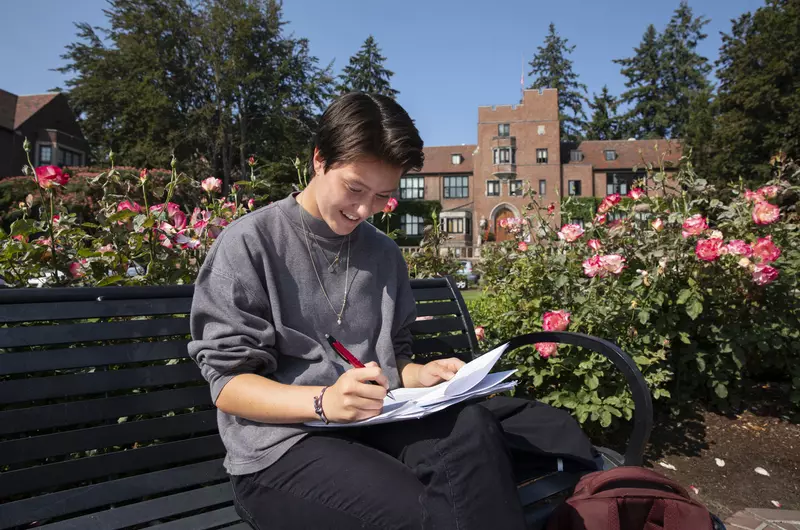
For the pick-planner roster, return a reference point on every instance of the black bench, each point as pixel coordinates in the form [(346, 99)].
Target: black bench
[(105, 423)]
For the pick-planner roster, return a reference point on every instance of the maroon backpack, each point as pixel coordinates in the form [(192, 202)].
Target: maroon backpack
[(629, 498)]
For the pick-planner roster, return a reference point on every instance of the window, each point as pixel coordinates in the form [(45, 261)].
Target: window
[(456, 187), (540, 130), (620, 182), (69, 158), (411, 225), (610, 154), (412, 187), (575, 155), (492, 188), (574, 188), (503, 129), (45, 154), (454, 225), (541, 156), (515, 187), (504, 155), (456, 159), (542, 187)]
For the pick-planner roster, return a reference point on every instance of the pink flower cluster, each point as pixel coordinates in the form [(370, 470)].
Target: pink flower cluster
[(763, 251), (570, 232), (552, 321), (514, 225), (602, 266), (764, 212)]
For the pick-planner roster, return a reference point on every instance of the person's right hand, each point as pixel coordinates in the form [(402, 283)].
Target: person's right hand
[(353, 398)]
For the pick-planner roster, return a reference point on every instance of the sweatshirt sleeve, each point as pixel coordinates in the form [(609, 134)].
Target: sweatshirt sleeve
[(231, 328)]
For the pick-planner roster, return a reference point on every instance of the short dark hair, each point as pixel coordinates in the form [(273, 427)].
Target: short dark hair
[(358, 125)]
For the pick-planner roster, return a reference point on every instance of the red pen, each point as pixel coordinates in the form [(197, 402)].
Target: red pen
[(349, 357)]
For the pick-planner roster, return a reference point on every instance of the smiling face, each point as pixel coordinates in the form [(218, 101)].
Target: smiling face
[(349, 192)]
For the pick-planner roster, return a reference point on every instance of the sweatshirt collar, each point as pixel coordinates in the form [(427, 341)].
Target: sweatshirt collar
[(292, 209)]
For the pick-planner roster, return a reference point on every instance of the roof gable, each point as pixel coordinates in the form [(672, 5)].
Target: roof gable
[(438, 159), (8, 108), (27, 106)]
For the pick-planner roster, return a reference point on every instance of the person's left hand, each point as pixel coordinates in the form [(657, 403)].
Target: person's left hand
[(439, 370)]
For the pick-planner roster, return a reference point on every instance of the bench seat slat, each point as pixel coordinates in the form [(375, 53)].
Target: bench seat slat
[(95, 331), (161, 508), (433, 309), (93, 410), (115, 491), (32, 312), (53, 476), (437, 293), (32, 389), (444, 344), (38, 447), (86, 294), (67, 358), (436, 325)]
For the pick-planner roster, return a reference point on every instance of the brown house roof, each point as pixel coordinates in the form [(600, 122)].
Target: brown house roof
[(438, 159), (15, 110), (629, 153)]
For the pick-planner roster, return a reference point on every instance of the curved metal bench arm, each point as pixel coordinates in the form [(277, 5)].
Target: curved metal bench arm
[(642, 415)]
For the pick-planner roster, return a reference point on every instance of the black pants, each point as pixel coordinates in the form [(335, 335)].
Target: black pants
[(457, 468)]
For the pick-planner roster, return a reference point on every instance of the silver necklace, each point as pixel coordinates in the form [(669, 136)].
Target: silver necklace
[(340, 313), (333, 266)]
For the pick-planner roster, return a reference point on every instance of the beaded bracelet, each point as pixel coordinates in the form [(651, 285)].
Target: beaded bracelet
[(318, 406)]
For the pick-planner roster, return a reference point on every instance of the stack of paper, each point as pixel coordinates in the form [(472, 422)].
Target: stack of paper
[(473, 380)]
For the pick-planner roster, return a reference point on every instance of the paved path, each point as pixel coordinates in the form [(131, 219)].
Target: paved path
[(755, 519)]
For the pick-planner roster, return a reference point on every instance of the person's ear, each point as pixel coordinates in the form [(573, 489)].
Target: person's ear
[(319, 163)]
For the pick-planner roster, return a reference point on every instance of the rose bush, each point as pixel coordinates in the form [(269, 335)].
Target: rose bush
[(698, 285)]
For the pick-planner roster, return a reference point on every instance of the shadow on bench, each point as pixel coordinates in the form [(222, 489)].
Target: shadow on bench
[(105, 423)]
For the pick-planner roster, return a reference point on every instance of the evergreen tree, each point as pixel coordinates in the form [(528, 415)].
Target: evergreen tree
[(605, 123), (551, 68), (685, 72), (648, 116), (366, 72), (759, 91)]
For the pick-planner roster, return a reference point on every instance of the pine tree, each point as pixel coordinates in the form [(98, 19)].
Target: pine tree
[(684, 71), (551, 68), (605, 123), (759, 91), (366, 72), (648, 116)]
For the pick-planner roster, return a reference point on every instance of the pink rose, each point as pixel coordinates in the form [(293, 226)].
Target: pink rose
[(212, 184), (764, 274), (251, 161), (503, 222), (658, 225), (480, 333), (613, 263), (765, 251), (570, 233), (551, 208), (752, 196), (609, 202), (555, 320), (143, 176), (76, 269), (737, 247), (593, 266), (600, 219), (171, 209), (636, 193), (391, 205), (133, 206), (694, 226), (595, 244), (708, 249), (49, 176), (251, 204), (769, 192), (765, 213), (106, 249), (522, 247), (546, 349)]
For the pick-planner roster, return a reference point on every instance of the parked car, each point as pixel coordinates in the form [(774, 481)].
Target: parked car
[(466, 276)]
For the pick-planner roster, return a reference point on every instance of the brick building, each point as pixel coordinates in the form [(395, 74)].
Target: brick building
[(519, 148), (47, 121)]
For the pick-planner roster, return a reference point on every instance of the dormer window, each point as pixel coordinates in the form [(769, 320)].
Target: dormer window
[(456, 159), (610, 154)]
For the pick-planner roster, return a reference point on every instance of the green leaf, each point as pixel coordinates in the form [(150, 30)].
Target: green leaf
[(591, 381), (684, 295), (562, 281), (644, 316), (605, 419), (684, 337), (121, 216), (110, 280), (721, 390), (538, 380), (701, 364), (22, 227), (694, 308), (87, 253)]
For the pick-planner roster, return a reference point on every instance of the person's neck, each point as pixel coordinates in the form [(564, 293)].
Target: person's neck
[(307, 199)]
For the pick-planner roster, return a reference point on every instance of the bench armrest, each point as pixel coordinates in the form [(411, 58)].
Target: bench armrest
[(643, 413)]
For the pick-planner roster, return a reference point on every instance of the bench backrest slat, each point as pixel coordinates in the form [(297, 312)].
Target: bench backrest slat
[(94, 331), (92, 309)]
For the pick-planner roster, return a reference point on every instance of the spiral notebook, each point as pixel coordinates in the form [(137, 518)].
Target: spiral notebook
[(472, 380)]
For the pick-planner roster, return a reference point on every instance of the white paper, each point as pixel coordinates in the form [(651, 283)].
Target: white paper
[(471, 381)]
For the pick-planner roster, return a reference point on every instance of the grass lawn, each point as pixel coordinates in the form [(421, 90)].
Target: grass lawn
[(471, 294)]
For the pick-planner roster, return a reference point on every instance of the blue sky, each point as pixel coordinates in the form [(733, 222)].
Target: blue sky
[(449, 56)]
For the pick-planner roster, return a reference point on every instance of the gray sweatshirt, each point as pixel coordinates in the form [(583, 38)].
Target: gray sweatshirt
[(258, 308)]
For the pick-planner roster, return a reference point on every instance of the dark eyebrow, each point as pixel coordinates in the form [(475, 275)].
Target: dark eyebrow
[(357, 181)]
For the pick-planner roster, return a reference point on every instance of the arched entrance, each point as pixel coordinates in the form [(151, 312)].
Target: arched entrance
[(500, 233)]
